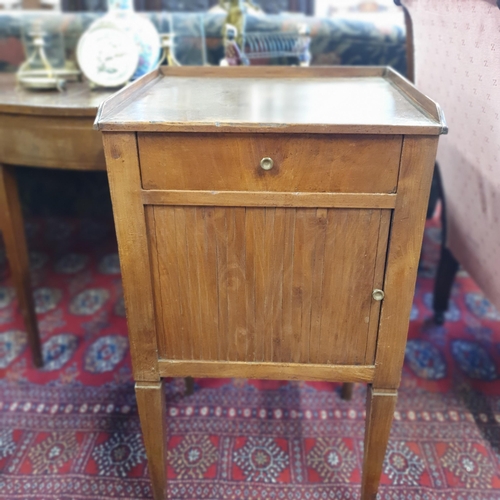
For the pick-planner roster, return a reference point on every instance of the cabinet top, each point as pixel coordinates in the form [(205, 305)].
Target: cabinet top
[(351, 100)]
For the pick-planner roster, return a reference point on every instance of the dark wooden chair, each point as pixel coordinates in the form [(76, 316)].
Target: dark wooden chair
[(466, 177)]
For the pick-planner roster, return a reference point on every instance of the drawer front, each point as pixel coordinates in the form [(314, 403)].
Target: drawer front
[(267, 284), (301, 163)]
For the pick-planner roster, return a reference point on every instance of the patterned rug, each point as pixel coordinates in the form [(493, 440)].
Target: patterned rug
[(71, 431)]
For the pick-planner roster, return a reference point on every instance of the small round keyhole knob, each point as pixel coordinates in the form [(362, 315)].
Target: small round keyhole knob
[(378, 294), (267, 163)]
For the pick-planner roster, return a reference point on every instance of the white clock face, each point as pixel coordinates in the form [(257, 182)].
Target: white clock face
[(107, 56)]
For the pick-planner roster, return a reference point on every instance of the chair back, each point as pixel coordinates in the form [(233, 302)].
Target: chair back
[(457, 61)]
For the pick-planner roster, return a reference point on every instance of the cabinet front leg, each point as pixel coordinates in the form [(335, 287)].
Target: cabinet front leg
[(151, 403), (12, 227), (380, 405)]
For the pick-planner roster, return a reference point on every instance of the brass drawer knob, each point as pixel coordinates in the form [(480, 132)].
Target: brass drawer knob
[(378, 294), (267, 163)]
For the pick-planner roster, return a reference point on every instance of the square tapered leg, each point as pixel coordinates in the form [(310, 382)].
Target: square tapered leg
[(151, 403), (380, 405)]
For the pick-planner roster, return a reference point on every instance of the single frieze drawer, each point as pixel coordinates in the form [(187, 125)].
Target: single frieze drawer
[(297, 163)]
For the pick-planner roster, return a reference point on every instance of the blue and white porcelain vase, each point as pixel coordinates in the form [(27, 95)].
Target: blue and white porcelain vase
[(147, 39)]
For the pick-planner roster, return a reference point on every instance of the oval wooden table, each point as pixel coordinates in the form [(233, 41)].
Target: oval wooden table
[(40, 129)]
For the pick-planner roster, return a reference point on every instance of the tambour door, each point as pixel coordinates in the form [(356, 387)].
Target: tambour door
[(267, 284)]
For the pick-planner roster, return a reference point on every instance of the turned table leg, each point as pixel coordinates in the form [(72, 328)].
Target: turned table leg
[(380, 405), (12, 227), (151, 403)]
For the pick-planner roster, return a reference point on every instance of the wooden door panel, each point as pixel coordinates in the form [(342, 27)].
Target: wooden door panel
[(267, 284)]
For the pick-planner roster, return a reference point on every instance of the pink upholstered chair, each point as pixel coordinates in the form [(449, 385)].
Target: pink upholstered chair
[(456, 46)]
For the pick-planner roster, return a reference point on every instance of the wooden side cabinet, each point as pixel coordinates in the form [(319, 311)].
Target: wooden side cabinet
[(269, 224)]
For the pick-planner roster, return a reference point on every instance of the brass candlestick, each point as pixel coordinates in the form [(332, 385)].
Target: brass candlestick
[(31, 76), (168, 49)]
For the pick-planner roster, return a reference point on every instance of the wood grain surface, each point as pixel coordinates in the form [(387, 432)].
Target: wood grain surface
[(405, 243), (231, 162), (269, 199), (152, 412), (50, 129), (283, 99), (380, 406), (40, 129), (130, 224), (270, 371), (66, 142), (76, 100), (266, 284), (233, 271)]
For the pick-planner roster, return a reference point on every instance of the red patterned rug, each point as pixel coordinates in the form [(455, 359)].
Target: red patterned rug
[(71, 431)]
